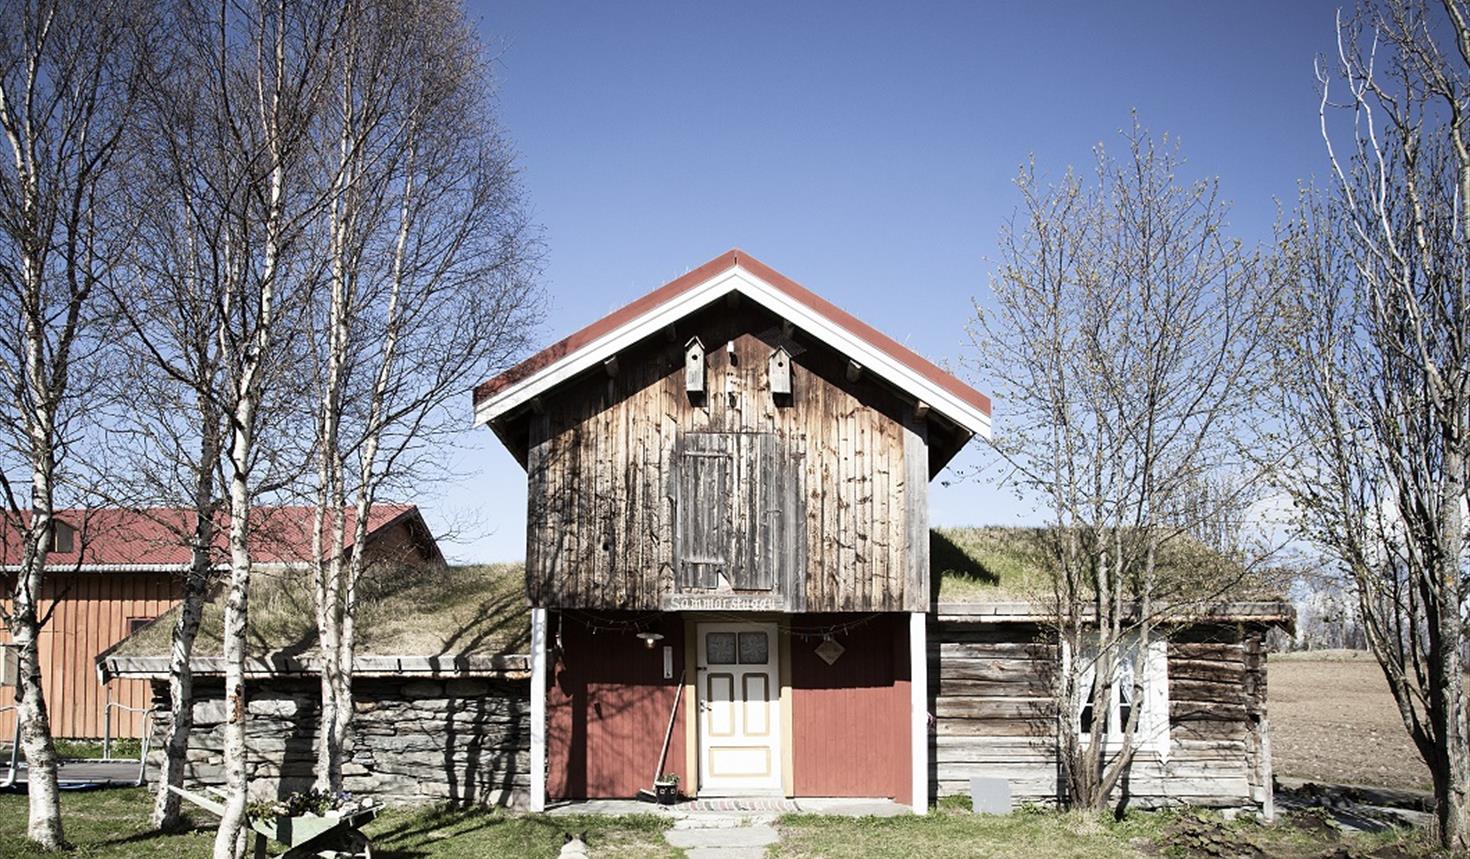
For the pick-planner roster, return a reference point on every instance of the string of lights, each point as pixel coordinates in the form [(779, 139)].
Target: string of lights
[(645, 621)]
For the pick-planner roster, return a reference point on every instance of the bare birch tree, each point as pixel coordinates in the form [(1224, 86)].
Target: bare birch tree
[(68, 80), (1125, 335), (265, 75), (430, 288), (1375, 361), (170, 426)]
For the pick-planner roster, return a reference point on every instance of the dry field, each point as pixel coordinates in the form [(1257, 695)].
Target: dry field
[(1333, 720)]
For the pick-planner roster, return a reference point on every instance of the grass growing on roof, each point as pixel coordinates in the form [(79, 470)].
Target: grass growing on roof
[(989, 563), (454, 610), (1013, 564)]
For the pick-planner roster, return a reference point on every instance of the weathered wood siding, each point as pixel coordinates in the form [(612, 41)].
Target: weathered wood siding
[(996, 716), (605, 488), (92, 613)]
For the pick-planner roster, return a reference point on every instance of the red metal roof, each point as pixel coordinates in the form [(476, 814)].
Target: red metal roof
[(151, 538), (568, 346)]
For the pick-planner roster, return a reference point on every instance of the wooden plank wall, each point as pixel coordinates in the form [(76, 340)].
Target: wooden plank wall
[(850, 719), (601, 489), (995, 715), (92, 616), (608, 707)]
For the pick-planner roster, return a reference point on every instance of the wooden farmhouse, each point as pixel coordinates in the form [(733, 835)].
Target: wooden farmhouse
[(729, 573)]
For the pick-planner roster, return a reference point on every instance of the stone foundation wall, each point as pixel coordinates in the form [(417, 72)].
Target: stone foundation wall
[(413, 740)]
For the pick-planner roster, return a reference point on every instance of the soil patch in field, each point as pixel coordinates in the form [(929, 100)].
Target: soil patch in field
[(1333, 720)]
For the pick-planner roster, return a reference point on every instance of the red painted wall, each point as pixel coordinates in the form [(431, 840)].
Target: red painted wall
[(92, 611), (850, 720), (608, 708)]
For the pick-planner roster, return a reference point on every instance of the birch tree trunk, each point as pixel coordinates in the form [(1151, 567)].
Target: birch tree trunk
[(1374, 276), (229, 840), (68, 78), (430, 288), (43, 796), (166, 803)]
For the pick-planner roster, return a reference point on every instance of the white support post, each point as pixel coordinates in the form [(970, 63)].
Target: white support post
[(919, 708), (538, 709)]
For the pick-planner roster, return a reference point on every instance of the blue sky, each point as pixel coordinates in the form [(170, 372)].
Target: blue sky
[(865, 150)]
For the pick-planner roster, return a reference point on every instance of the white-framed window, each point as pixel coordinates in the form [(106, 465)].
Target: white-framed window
[(1135, 661)]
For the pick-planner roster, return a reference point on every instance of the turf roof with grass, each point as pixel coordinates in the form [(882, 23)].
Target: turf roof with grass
[(1011, 564), (481, 610), (477, 610)]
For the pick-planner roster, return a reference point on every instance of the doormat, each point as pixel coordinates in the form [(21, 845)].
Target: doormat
[(735, 804)]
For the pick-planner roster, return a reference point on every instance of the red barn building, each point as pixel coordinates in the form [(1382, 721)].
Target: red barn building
[(116, 570)]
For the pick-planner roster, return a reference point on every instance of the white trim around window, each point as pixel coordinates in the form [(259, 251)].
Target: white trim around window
[(1153, 726)]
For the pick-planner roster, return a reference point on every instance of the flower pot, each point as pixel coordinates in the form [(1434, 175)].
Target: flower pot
[(667, 793)]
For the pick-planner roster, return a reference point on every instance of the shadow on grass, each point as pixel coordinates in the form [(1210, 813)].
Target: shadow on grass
[(411, 837), (948, 559), (453, 831)]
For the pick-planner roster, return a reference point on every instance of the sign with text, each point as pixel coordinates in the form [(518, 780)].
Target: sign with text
[(723, 602)]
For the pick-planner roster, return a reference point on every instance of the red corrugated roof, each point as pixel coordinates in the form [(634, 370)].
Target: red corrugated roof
[(115, 536), (671, 290)]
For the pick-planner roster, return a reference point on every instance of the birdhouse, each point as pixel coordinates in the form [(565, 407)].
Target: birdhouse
[(780, 372), (694, 366)]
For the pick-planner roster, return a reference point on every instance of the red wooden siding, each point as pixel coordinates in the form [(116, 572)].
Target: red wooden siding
[(608, 708), (850, 720), (92, 615)]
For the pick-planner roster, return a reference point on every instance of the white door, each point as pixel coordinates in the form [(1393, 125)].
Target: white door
[(739, 709)]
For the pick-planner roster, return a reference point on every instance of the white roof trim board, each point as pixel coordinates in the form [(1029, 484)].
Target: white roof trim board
[(741, 280)]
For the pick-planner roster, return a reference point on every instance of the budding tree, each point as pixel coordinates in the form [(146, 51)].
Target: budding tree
[(68, 82), (1374, 277), (429, 288), (1124, 334)]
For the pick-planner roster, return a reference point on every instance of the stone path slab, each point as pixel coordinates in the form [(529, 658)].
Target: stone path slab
[(723, 842)]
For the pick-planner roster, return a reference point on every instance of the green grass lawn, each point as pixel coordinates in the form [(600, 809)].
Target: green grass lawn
[(951, 831), (86, 749), (114, 823)]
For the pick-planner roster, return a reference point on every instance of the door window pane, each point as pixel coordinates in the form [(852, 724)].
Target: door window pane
[(719, 648), (754, 648)]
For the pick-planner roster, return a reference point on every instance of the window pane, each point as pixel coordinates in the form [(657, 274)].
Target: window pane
[(719, 648), (1126, 678), (754, 649)]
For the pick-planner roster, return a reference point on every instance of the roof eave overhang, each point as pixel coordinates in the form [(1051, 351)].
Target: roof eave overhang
[(735, 279)]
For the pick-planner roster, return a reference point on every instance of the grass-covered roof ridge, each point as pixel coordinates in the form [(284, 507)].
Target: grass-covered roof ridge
[(477, 610), (481, 610), (1006, 563)]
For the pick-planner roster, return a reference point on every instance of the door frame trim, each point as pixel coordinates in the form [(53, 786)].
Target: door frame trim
[(782, 668), (691, 705)]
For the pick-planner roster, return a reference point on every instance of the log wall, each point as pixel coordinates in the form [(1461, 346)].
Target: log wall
[(996, 716), (604, 491)]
